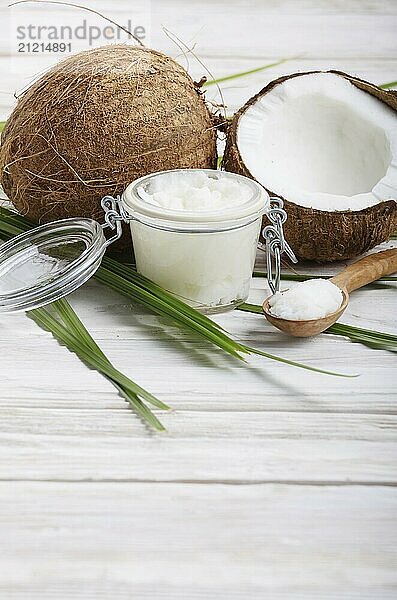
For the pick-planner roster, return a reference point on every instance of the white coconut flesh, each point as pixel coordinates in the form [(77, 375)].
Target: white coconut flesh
[(320, 142)]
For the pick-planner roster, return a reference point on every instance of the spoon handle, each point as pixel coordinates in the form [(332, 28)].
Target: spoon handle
[(366, 270)]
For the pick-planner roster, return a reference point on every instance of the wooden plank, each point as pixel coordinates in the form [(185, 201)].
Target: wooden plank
[(98, 456), (197, 542), (199, 424), (253, 28), (205, 446)]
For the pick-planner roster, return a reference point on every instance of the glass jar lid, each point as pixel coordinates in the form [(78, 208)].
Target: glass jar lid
[(49, 262), (138, 201)]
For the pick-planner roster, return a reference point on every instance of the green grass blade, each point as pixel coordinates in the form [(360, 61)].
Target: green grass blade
[(296, 277), (104, 365), (388, 86), (294, 363), (162, 307), (130, 274), (48, 322), (367, 337), (76, 326), (74, 343), (252, 308), (9, 230), (246, 73)]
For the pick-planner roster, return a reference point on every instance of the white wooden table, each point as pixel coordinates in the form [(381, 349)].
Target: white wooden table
[(271, 482)]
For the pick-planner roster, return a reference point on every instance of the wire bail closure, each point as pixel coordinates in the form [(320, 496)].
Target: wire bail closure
[(115, 215), (276, 244)]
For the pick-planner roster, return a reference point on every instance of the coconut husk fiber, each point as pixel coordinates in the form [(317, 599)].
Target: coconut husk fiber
[(316, 235), (97, 121)]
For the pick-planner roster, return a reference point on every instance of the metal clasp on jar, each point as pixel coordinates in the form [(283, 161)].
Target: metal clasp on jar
[(276, 244), (115, 216)]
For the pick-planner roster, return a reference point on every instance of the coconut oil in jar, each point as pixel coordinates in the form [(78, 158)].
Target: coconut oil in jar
[(195, 233)]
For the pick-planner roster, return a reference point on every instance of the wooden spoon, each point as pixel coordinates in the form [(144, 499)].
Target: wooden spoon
[(355, 276)]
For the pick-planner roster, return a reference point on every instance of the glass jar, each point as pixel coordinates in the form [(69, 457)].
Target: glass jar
[(205, 257)]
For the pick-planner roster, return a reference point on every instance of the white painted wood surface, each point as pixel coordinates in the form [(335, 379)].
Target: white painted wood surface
[(271, 482)]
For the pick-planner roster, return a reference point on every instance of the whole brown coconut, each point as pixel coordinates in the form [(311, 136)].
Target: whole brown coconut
[(97, 121), (321, 235)]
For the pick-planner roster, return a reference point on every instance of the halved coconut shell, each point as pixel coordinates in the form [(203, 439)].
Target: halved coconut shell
[(314, 234)]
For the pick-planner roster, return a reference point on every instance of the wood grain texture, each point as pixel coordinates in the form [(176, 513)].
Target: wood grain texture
[(367, 270), (271, 482), (197, 542)]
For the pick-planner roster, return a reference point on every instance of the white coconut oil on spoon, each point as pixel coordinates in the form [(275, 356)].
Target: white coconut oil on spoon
[(311, 299), (312, 306)]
